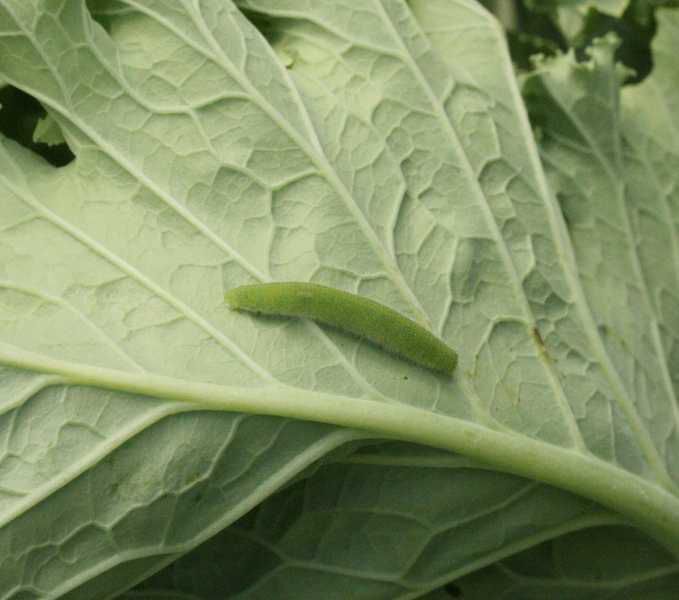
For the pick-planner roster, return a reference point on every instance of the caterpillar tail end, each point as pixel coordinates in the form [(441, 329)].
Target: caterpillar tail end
[(233, 299), (449, 363)]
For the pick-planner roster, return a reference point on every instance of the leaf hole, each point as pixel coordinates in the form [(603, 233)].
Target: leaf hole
[(24, 120)]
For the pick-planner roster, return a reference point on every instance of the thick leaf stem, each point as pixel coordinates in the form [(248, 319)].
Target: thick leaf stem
[(647, 505)]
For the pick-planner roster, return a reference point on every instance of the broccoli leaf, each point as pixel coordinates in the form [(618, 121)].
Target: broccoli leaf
[(380, 147)]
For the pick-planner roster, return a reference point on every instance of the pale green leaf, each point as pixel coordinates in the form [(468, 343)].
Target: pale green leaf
[(572, 14), (47, 131), (392, 156), (363, 528)]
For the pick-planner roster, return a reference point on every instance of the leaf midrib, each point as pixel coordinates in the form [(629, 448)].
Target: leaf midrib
[(646, 504)]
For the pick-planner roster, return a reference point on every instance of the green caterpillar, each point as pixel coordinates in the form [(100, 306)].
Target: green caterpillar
[(348, 312)]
